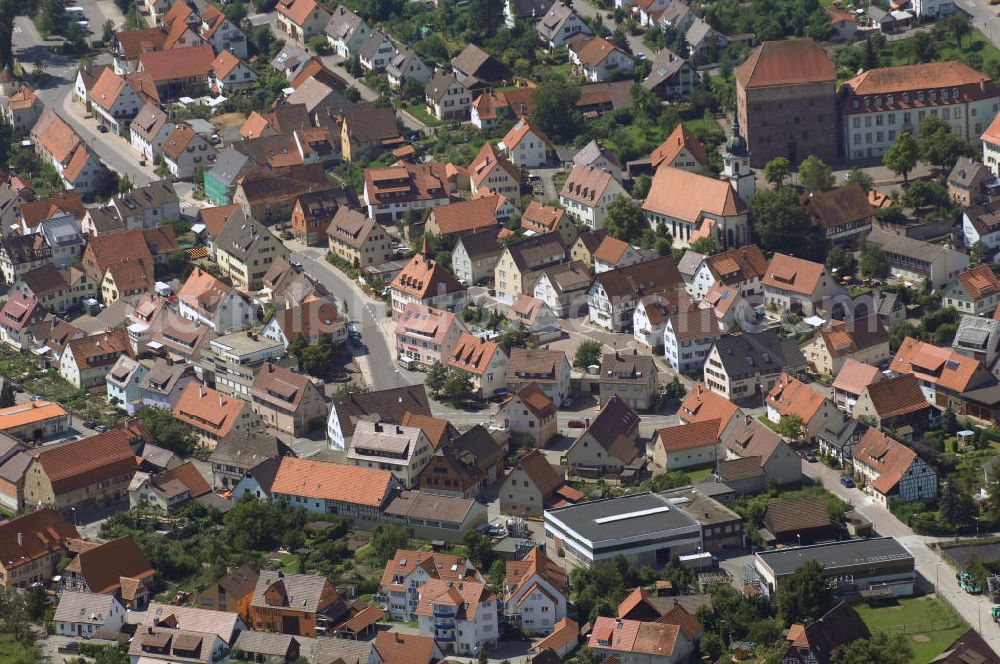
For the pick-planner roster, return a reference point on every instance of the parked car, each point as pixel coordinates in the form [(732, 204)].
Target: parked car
[(88, 424), (100, 428), (102, 128), (809, 456), (847, 481), (577, 424)]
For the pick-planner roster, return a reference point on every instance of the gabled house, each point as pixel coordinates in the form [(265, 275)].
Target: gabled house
[(463, 465), (367, 131), (313, 210), (218, 31), (751, 446), (390, 405), (185, 151), (792, 397), (861, 339), (482, 361), (615, 294), (587, 193), (86, 361), (968, 182), (179, 72), (560, 24), (462, 616), (563, 286), (629, 377), (838, 437), (608, 444), (230, 74), (425, 335), (598, 59), (21, 110), (301, 19), (523, 261), (208, 301), (693, 444), (461, 217), (116, 99), (841, 214), (167, 490), (981, 224), (896, 404), (118, 567), (447, 98), (316, 317), (477, 69), (822, 640), (287, 401), (376, 52), (528, 412), (942, 373), (533, 485), (123, 384), (799, 286), (688, 337), (548, 369), (743, 366), (239, 454), (892, 470), (851, 381), (489, 171), (408, 570), (23, 253), (390, 192), (526, 145), (346, 32), (92, 473), (402, 450), (671, 77), (475, 256), (84, 614), (294, 603), (244, 250), (975, 291), (19, 312), (655, 643), (681, 150), (59, 144), (33, 546), (213, 416), (357, 239), (423, 281), (538, 219), (916, 260), (535, 592)]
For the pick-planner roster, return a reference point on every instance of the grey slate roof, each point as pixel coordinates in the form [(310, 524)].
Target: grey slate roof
[(481, 244), (369, 49), (343, 23), (328, 650), (248, 448), (238, 236), (84, 608), (689, 263), (386, 405), (582, 518), (438, 87), (666, 64), (760, 352), (229, 164)]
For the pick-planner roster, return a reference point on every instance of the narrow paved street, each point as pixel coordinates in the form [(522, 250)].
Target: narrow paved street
[(586, 8), (975, 609)]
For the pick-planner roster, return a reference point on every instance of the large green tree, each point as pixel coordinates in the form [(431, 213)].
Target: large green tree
[(902, 155), (804, 595), (555, 110), (625, 219), (168, 432), (587, 353), (872, 262), (882, 648), (940, 145), (783, 224), (815, 174), (777, 171)]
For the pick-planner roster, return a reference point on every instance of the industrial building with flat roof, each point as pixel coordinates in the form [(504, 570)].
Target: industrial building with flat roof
[(646, 528), (852, 566)]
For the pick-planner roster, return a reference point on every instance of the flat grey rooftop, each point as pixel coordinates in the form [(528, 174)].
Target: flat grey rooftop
[(624, 517), (833, 555)]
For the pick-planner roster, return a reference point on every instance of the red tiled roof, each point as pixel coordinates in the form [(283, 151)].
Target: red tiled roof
[(679, 139)]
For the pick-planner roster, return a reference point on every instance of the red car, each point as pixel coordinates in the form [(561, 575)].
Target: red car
[(577, 424)]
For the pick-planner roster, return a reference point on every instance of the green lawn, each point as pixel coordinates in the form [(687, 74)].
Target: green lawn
[(929, 624), (12, 652), (696, 475), (419, 111)]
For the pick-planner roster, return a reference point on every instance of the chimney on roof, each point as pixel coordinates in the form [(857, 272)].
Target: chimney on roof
[(220, 401), (201, 392), (378, 427), (20, 540), (399, 637)]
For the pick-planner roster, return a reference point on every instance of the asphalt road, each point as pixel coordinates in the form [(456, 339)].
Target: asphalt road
[(975, 609), (57, 93)]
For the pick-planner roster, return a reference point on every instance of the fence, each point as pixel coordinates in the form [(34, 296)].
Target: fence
[(923, 628)]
